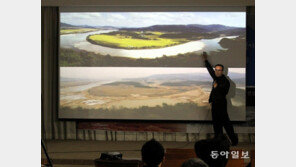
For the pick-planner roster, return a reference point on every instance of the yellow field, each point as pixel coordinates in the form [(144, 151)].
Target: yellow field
[(79, 30), (125, 41)]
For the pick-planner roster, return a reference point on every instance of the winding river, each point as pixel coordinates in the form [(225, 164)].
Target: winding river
[(78, 41)]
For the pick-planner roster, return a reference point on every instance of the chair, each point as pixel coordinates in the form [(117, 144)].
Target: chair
[(176, 157), (235, 162)]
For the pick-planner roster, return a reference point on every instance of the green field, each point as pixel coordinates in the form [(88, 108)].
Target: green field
[(134, 40), (77, 30)]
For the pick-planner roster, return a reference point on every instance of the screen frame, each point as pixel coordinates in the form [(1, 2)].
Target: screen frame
[(146, 9)]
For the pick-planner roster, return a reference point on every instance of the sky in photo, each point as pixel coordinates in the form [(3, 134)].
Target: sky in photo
[(144, 19)]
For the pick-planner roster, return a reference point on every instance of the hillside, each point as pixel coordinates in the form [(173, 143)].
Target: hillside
[(196, 28)]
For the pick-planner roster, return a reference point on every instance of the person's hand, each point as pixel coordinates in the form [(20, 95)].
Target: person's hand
[(204, 56), (215, 84)]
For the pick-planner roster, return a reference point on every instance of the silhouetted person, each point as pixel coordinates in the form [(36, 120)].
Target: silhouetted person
[(218, 101), (194, 162), (205, 148), (152, 153)]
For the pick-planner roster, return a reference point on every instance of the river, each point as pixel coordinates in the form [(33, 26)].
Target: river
[(79, 41)]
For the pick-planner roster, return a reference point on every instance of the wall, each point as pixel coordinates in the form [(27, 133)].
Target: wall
[(148, 3), (53, 128)]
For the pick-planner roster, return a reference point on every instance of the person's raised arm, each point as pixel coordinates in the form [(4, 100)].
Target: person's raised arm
[(208, 65)]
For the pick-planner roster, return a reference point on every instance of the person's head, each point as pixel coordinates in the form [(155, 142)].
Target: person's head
[(152, 153), (219, 68), (204, 148), (194, 162)]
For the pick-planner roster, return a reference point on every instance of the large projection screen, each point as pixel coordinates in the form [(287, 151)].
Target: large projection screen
[(147, 65)]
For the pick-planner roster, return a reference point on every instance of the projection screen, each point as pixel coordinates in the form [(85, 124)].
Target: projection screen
[(148, 65)]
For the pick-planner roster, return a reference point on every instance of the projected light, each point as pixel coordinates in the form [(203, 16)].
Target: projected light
[(147, 65)]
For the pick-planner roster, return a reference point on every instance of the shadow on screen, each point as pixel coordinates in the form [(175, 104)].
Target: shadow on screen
[(232, 91)]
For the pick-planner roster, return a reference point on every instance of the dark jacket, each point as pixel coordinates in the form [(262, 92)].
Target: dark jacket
[(219, 93)]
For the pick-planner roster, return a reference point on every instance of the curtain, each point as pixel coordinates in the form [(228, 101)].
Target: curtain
[(52, 128)]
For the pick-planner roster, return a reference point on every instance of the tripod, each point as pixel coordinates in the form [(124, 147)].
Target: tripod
[(47, 157)]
